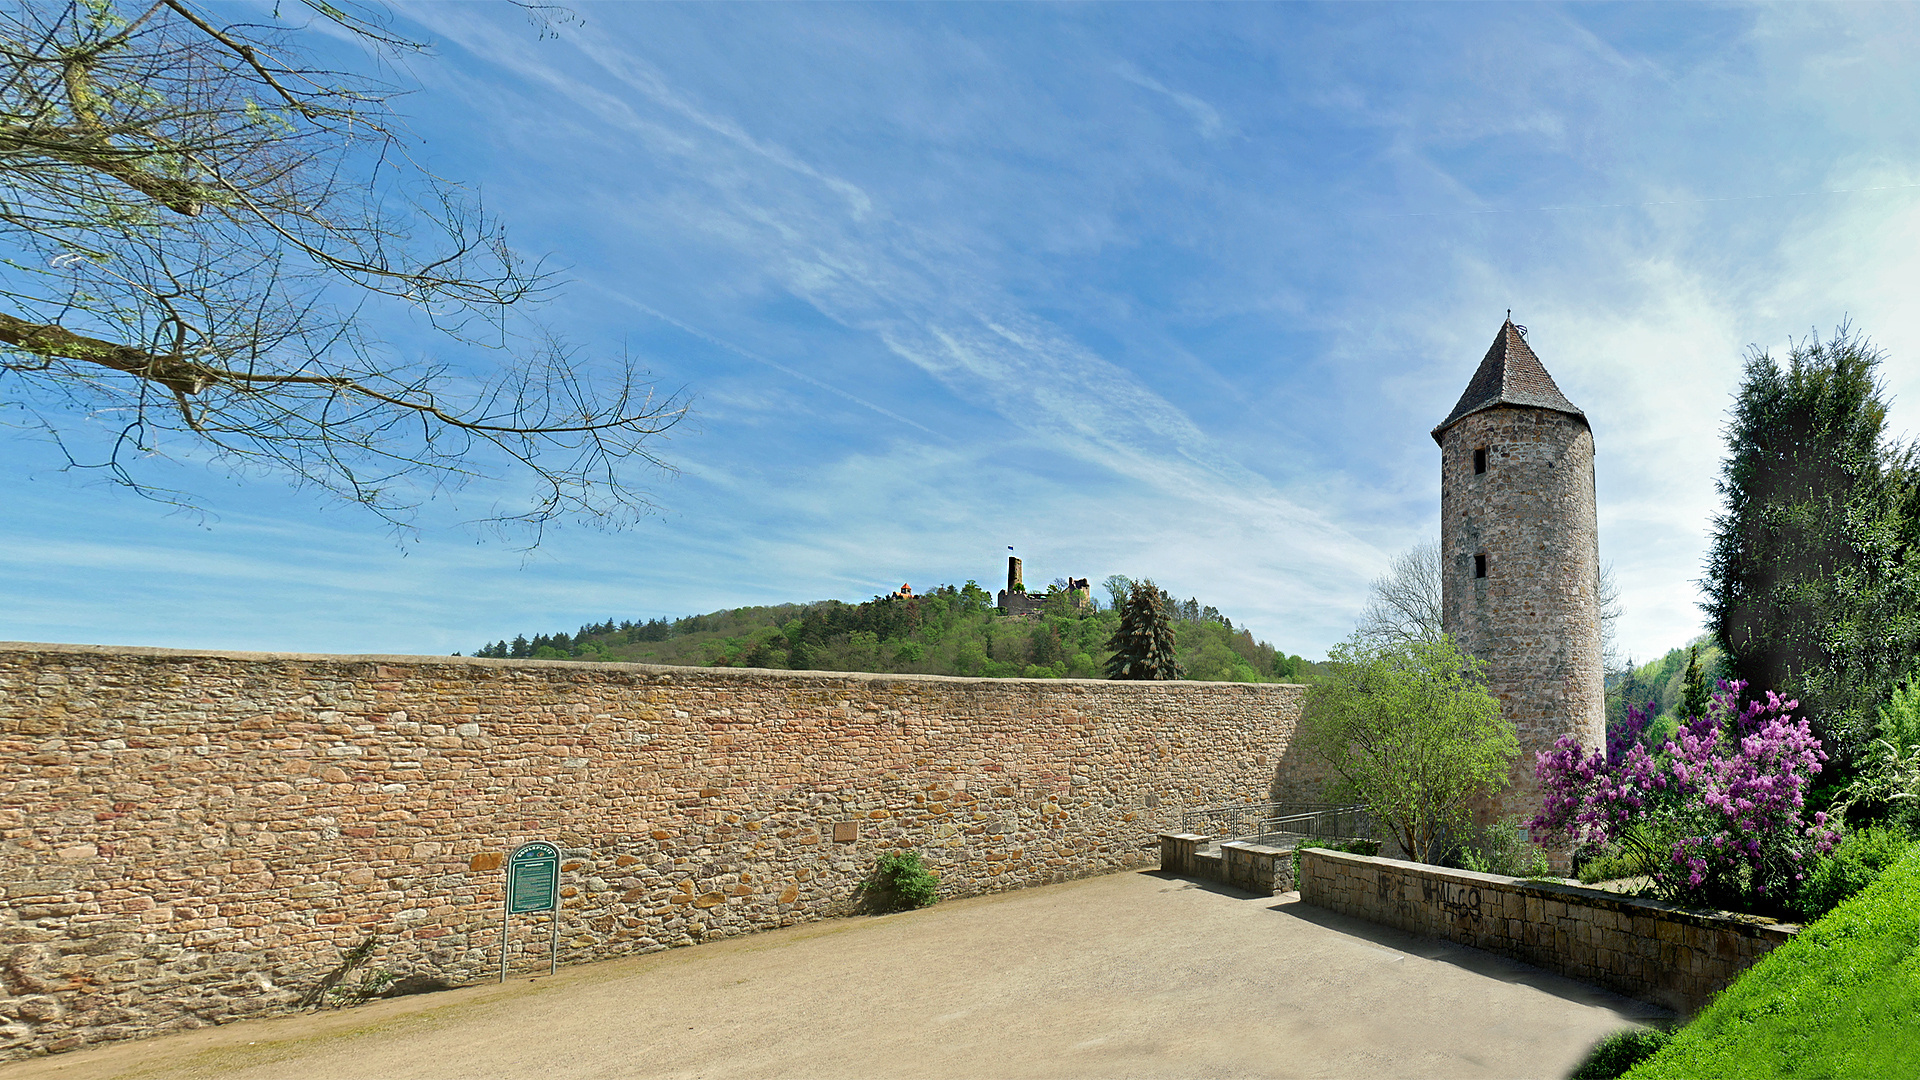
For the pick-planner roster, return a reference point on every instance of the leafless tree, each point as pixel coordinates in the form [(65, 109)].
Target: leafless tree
[(1609, 596), (198, 223), (1403, 605)]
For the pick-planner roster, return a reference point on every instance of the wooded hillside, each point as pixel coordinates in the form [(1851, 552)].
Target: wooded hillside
[(949, 631)]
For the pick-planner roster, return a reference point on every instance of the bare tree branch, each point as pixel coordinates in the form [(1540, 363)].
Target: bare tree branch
[(1403, 606), (197, 224), (1608, 593)]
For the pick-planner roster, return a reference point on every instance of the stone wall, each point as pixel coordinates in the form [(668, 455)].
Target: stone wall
[(1257, 868), (1641, 948), (1243, 864), (192, 837), (1180, 853)]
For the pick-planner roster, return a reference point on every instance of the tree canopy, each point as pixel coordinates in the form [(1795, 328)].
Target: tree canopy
[(1143, 644), (199, 220), (1813, 581), (947, 630), (1409, 729)]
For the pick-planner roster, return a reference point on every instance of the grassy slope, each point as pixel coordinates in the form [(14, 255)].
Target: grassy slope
[(1840, 1000)]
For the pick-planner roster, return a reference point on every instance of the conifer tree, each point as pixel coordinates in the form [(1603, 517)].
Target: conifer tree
[(1811, 583), (1143, 647), (1693, 700)]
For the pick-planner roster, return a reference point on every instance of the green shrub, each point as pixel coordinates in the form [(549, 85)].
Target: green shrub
[(900, 882), (1503, 848), (1840, 1001), (372, 984), (1614, 1055), (1886, 787), (1635, 853), (1856, 863), (1608, 865), (1351, 847)]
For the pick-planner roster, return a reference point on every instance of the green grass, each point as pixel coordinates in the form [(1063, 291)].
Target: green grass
[(1840, 1000)]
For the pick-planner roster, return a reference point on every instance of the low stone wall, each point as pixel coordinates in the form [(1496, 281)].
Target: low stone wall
[(1257, 868), (192, 837), (1180, 854), (1641, 948)]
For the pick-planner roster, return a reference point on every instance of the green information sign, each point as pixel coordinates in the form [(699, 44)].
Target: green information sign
[(533, 885), (533, 878)]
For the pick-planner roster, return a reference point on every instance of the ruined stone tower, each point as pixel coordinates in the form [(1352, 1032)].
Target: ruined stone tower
[(1520, 552)]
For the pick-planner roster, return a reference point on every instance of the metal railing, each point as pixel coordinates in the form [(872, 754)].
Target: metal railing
[(1313, 821)]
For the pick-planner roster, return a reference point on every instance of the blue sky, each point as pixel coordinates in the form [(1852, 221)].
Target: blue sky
[(1169, 291)]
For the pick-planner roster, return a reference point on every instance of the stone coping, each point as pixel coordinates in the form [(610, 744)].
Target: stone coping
[(1257, 849), (1749, 925), (582, 665)]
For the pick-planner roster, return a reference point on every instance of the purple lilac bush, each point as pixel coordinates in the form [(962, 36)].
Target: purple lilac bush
[(1719, 807)]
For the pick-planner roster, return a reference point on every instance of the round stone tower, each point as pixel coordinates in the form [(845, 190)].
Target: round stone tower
[(1520, 553)]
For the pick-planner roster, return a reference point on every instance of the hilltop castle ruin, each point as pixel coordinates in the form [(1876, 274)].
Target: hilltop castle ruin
[(1016, 600)]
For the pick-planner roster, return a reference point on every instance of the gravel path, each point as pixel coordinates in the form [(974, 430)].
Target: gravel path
[(1132, 974)]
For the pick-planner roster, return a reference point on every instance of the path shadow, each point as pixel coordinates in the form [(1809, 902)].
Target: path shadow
[(1478, 961), (1215, 887)]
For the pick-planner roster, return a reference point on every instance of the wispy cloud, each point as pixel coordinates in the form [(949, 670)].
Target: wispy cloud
[(855, 263), (1206, 118), (783, 369), (1165, 291)]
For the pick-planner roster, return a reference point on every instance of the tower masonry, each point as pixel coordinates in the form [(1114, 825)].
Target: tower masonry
[(1520, 553)]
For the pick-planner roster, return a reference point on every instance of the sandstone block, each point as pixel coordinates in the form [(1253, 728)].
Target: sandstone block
[(360, 851)]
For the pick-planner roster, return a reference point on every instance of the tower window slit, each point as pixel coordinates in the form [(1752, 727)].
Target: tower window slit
[(1480, 464), (1480, 565)]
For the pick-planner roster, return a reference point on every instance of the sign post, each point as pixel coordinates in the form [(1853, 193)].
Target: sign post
[(533, 884)]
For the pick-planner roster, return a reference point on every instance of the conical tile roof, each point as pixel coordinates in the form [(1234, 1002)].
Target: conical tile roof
[(1510, 375)]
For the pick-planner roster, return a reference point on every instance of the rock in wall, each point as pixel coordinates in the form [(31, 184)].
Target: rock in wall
[(1535, 616), (193, 837)]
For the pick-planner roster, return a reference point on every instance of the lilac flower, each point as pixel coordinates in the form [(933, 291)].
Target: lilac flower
[(1728, 789)]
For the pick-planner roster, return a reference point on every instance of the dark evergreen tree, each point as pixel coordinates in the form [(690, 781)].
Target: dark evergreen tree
[(1143, 647), (521, 647), (1693, 702), (1811, 582)]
